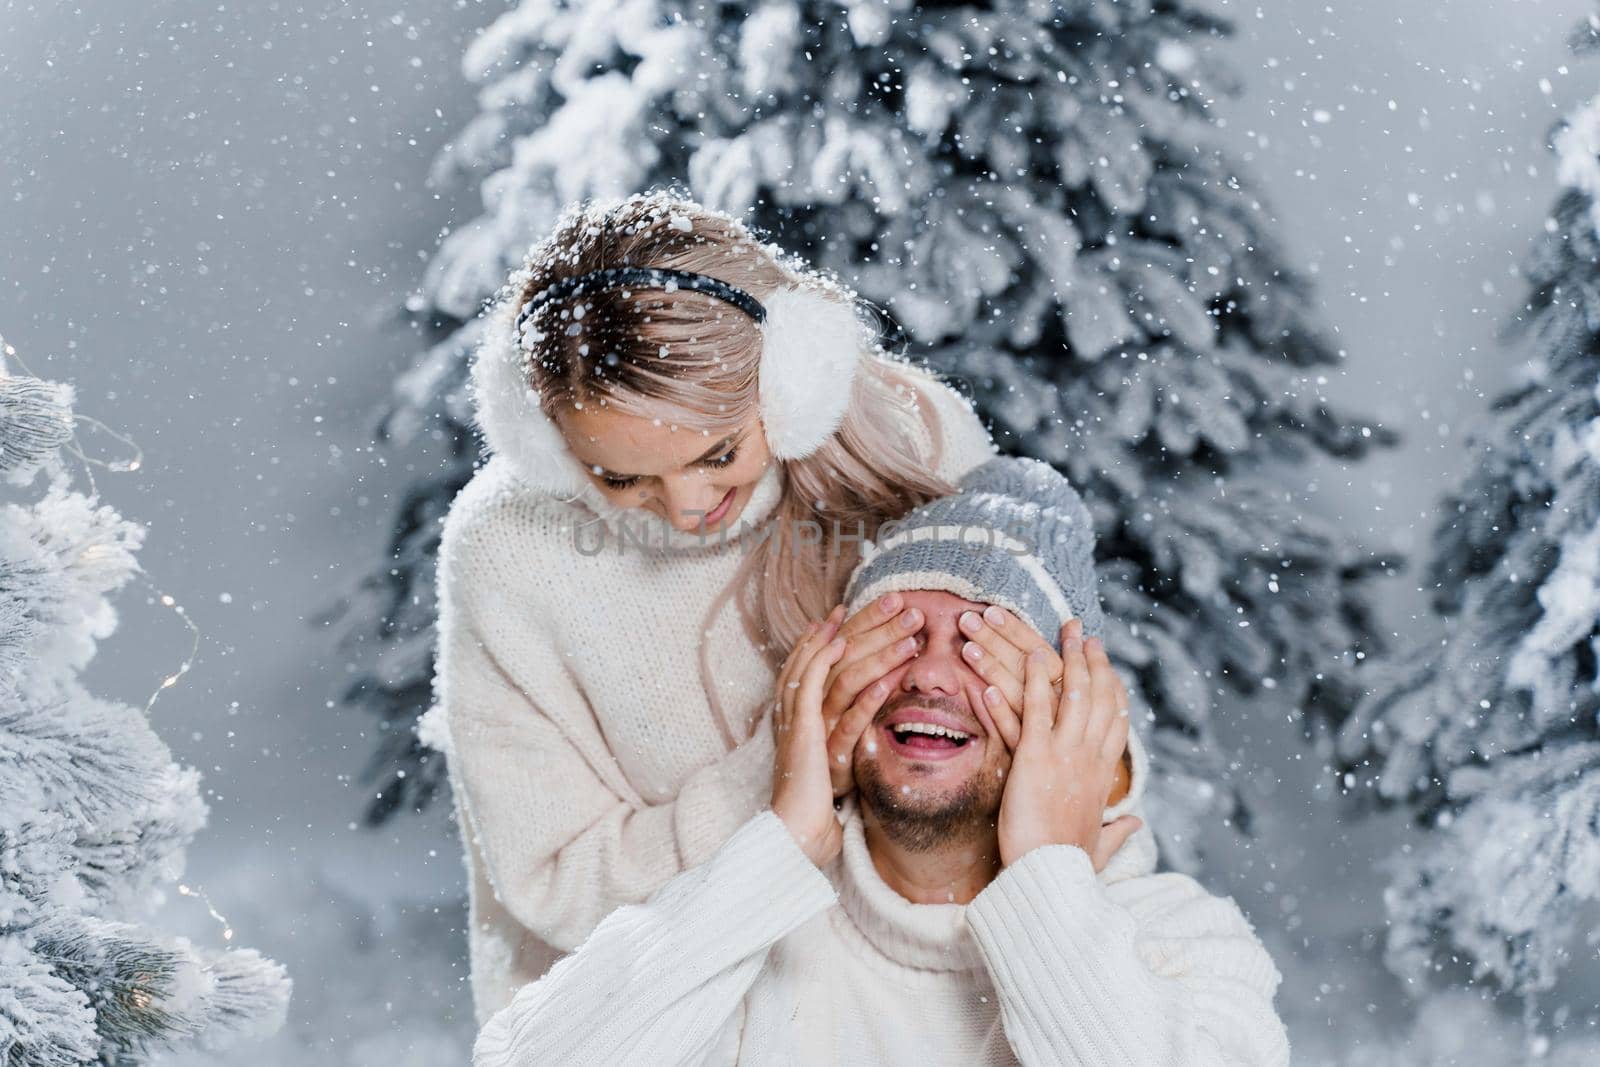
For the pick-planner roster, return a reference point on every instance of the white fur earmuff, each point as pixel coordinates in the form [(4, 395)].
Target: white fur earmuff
[(506, 407), (811, 343)]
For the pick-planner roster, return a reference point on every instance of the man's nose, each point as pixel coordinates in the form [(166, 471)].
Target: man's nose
[(937, 667)]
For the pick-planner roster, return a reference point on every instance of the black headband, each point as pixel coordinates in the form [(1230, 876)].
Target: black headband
[(653, 277)]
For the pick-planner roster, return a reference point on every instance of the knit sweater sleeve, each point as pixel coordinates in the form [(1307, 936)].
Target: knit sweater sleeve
[(657, 982), (562, 837), (1148, 970)]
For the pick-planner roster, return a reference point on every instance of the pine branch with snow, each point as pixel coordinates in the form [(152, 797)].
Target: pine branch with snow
[(95, 815), (1490, 734)]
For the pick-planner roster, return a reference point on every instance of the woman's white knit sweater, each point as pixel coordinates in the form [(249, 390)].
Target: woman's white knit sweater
[(758, 958), (587, 762)]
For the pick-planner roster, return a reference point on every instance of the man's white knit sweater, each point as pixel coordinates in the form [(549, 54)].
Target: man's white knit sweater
[(759, 958), (587, 762)]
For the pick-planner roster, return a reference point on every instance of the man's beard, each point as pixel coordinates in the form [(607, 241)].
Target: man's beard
[(918, 822)]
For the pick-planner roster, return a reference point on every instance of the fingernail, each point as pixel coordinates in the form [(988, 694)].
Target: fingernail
[(909, 619), (969, 622), (889, 604), (992, 694), (994, 616), (836, 644), (908, 645), (1093, 644), (972, 651)]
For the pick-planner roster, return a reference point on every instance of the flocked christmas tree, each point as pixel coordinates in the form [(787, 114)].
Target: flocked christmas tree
[(1490, 733), (94, 813), (1030, 189)]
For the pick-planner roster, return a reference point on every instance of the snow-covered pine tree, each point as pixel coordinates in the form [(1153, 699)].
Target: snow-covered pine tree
[(1032, 190), (94, 813), (1490, 734)]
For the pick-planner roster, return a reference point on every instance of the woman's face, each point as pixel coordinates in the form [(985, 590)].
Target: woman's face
[(685, 476)]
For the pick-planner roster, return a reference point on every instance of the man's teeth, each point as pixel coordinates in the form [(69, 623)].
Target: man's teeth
[(931, 729)]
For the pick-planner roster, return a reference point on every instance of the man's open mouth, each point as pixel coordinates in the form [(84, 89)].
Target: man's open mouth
[(928, 737)]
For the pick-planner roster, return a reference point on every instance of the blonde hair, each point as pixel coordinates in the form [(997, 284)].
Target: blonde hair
[(689, 358)]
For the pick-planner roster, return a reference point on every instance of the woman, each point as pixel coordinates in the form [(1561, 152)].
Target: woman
[(681, 475)]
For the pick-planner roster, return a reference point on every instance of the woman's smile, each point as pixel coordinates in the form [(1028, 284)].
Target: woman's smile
[(715, 515)]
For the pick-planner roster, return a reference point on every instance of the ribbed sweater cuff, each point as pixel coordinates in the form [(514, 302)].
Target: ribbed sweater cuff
[(1061, 956)]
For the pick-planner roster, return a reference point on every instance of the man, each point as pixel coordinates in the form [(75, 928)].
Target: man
[(977, 900)]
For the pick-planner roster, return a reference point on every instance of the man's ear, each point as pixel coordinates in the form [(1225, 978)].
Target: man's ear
[(1124, 779)]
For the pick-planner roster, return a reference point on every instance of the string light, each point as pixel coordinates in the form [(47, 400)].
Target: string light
[(119, 465), (196, 891), (194, 647)]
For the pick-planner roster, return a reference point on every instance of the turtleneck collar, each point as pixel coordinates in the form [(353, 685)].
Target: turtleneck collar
[(643, 528), (929, 937)]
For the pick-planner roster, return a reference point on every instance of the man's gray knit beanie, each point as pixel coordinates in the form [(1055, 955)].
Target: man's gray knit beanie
[(1015, 534)]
